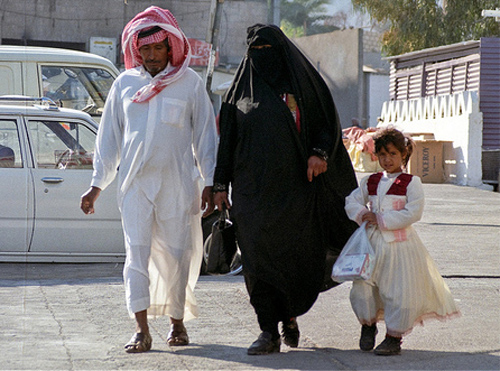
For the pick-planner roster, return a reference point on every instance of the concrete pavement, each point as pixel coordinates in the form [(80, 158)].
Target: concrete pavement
[(73, 317)]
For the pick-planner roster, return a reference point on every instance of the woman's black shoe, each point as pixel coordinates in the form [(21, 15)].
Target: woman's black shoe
[(264, 345), (367, 339), (291, 333)]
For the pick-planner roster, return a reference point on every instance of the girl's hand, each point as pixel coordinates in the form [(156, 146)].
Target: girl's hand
[(370, 217)]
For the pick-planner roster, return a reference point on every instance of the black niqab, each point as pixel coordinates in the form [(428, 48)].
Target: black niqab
[(268, 61)]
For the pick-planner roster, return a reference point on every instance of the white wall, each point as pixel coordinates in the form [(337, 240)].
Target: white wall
[(454, 118), (338, 56), (378, 94)]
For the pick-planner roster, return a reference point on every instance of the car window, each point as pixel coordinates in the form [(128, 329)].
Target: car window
[(82, 88), (10, 150), (61, 145)]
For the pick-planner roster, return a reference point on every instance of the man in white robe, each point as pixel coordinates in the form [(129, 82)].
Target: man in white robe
[(158, 128)]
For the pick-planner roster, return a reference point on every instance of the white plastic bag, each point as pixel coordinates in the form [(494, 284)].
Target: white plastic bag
[(357, 259)]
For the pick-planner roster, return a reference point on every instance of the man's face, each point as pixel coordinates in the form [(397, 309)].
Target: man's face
[(154, 57)]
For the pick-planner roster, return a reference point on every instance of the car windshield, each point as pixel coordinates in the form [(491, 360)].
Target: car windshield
[(82, 88)]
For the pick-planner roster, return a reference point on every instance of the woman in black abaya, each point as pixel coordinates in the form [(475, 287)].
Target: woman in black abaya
[(281, 152)]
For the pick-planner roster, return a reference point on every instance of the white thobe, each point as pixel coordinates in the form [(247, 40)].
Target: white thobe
[(160, 147)]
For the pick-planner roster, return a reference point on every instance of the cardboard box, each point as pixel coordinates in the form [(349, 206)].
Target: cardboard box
[(427, 161), (422, 136)]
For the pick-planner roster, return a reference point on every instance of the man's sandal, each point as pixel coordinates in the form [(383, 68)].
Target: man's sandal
[(177, 337), (140, 342)]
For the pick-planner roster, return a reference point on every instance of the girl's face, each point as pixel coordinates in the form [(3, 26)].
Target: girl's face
[(390, 159)]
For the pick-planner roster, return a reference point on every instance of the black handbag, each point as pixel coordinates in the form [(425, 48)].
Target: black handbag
[(220, 247)]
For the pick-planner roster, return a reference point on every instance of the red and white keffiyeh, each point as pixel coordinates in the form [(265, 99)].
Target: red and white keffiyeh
[(157, 36), (180, 51)]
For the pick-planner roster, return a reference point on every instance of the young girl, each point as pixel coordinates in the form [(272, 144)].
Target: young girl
[(406, 287)]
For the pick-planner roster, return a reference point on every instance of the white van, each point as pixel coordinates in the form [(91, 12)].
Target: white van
[(73, 79)]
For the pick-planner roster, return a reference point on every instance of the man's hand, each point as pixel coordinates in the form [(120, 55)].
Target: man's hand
[(221, 198), (207, 201), (315, 166), (88, 199)]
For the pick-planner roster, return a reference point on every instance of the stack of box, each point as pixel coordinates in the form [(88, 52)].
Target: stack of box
[(427, 158)]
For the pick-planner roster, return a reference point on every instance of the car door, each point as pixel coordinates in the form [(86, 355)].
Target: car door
[(63, 153), (17, 204)]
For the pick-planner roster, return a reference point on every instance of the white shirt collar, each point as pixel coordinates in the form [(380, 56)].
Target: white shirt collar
[(166, 70)]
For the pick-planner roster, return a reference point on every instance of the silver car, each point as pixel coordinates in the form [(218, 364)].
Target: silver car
[(46, 157)]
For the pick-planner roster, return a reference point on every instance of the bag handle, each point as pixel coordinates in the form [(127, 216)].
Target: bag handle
[(224, 220)]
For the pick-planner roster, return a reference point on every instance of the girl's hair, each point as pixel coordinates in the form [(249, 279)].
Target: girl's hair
[(403, 143)]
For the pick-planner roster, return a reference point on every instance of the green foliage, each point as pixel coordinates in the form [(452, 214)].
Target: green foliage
[(420, 24), (304, 17), (291, 31), (468, 14)]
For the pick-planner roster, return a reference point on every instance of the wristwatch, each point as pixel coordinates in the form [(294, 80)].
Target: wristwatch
[(320, 153), (218, 187)]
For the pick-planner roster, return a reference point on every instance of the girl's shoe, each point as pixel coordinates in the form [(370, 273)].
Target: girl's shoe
[(367, 339), (390, 346)]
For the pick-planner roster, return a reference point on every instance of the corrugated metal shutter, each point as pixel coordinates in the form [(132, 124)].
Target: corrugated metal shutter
[(441, 78), (414, 86), (489, 99), (408, 84), (452, 76), (430, 84), (443, 81), (402, 88), (392, 81), (473, 75), (459, 78)]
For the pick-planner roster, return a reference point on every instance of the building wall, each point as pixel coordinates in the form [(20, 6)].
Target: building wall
[(449, 69), (73, 23), (236, 18), (338, 56), (377, 93), (455, 119)]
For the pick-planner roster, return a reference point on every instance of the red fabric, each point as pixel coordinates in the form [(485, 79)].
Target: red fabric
[(400, 185), (373, 182), (398, 188), (362, 139), (157, 37)]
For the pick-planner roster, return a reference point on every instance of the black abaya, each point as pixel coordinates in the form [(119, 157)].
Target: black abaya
[(284, 223)]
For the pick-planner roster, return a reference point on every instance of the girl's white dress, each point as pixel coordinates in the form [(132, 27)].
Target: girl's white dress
[(406, 287)]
